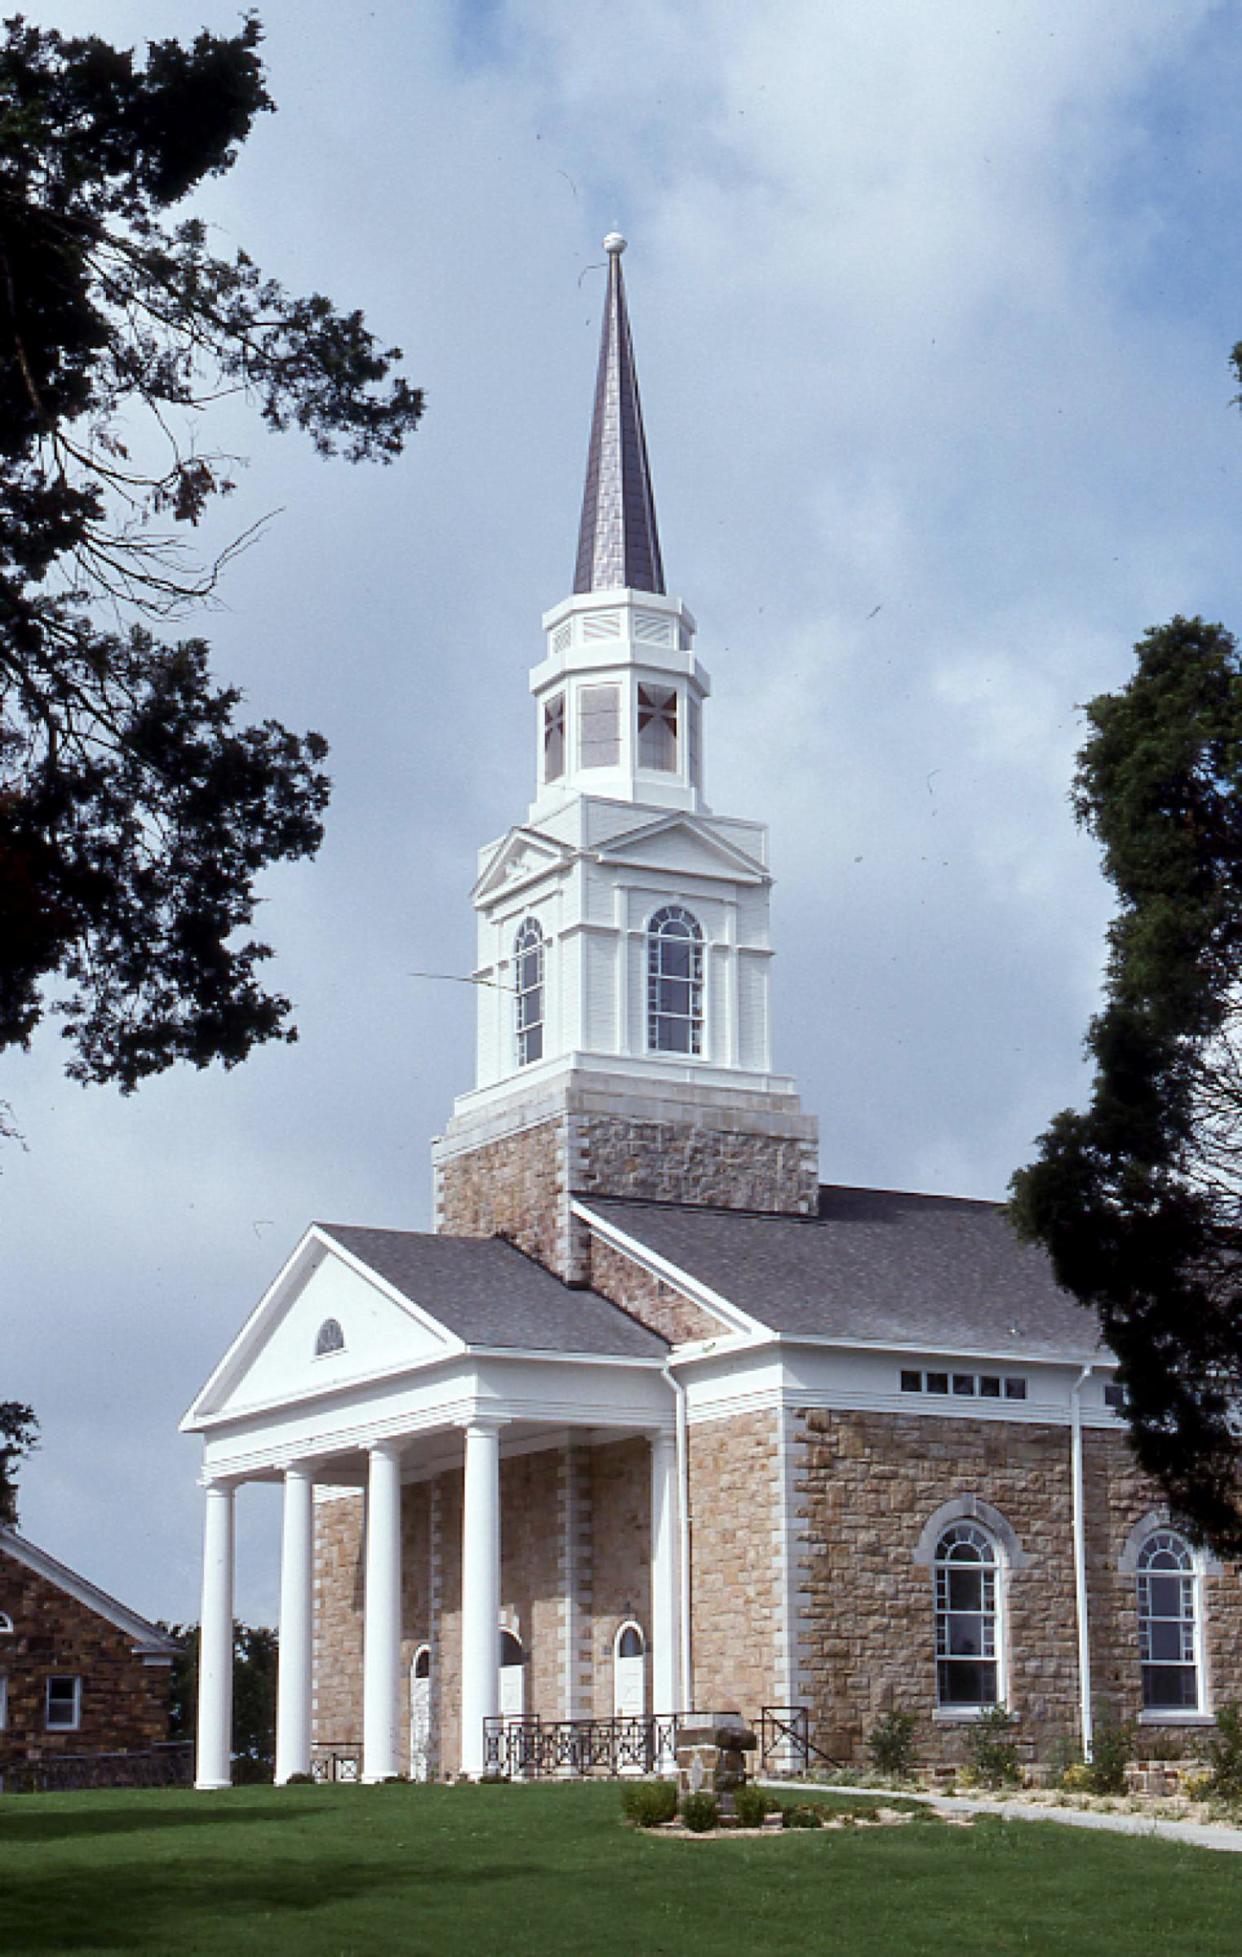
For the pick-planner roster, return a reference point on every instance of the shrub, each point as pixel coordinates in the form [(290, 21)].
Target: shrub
[(891, 1744), (1223, 1755), (990, 1745), (299, 1780), (1111, 1753), (1077, 1778), (649, 1803), (802, 1814), (750, 1804), (700, 1812)]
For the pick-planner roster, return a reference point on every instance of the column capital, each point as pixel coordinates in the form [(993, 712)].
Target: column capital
[(484, 1423), (219, 1484), (388, 1449), (302, 1470)]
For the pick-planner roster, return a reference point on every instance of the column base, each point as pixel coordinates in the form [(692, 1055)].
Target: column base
[(211, 1786)]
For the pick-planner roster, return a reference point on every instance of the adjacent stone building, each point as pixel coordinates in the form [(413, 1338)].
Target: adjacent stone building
[(654, 1421), (80, 1673)]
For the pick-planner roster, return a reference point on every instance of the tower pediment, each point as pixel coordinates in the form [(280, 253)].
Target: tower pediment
[(523, 856), (683, 842)]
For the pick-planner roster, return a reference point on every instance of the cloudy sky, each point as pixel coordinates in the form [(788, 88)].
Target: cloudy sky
[(932, 307)]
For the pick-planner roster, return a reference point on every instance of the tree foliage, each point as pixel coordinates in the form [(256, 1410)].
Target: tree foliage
[(135, 810), (1138, 1199), (19, 1436), (255, 1653)]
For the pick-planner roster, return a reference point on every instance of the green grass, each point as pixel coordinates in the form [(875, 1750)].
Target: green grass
[(345, 1872)]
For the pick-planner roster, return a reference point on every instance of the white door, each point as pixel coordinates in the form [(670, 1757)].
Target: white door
[(512, 1677), (420, 1714), (629, 1673)]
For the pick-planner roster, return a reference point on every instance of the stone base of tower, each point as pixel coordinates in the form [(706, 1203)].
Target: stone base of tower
[(508, 1166)]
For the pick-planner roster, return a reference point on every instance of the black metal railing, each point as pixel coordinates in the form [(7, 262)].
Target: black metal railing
[(168, 1764), (785, 1743), (333, 1760), (525, 1747)]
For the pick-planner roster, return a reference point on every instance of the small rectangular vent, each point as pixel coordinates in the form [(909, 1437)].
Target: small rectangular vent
[(651, 630), (602, 625), (562, 636)]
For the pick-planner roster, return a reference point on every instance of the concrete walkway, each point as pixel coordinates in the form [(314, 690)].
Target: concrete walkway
[(1194, 1834)]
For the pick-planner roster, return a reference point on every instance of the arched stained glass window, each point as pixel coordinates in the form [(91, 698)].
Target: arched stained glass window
[(674, 982), (329, 1338), (1168, 1614), (965, 1570), (528, 966)]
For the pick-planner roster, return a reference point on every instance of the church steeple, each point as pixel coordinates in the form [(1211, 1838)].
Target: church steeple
[(618, 541)]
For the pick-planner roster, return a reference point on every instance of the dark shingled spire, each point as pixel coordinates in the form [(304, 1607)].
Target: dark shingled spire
[(618, 543)]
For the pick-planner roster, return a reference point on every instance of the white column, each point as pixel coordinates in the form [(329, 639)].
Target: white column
[(214, 1758), (381, 1647), (665, 1696), (293, 1673), (480, 1590)]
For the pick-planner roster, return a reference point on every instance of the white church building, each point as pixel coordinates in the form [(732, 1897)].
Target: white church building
[(654, 1420)]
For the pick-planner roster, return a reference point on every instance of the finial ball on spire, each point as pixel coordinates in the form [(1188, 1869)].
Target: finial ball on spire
[(614, 242)]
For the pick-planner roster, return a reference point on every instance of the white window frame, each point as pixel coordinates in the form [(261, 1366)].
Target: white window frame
[(696, 1018), (526, 945), (329, 1351), (4, 1702), (51, 1725), (949, 1709), (1191, 1574)]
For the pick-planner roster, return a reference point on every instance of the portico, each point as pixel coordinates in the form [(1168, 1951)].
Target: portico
[(450, 1412)]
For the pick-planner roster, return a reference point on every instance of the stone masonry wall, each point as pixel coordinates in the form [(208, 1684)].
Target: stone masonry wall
[(512, 1187), (621, 1529), (737, 1568), (336, 1666), (693, 1162), (648, 1299), (867, 1485), (124, 1703), (518, 1185)]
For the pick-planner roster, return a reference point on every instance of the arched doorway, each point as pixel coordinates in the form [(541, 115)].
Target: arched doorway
[(629, 1672), (420, 1714), (512, 1676)]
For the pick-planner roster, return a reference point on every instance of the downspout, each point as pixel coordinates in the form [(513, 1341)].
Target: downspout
[(685, 1682), (1080, 1564)]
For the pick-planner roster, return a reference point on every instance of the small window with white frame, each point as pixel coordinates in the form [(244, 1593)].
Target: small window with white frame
[(63, 1704), (657, 728), (6, 1624), (528, 971), (329, 1338), (967, 1577), (1170, 1623), (554, 738), (599, 726)]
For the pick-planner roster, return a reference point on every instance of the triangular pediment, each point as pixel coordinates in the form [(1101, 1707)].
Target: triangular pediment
[(522, 857), (274, 1357), (683, 842)]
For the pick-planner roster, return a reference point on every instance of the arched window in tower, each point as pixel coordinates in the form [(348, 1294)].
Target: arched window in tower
[(968, 1642), (657, 728), (1168, 1614), (674, 982), (528, 950)]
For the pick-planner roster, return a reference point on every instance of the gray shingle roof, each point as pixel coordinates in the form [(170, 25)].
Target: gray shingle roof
[(938, 1272), (492, 1295)]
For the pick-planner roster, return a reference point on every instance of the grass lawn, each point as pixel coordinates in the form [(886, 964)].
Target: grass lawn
[(350, 1871)]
